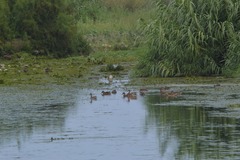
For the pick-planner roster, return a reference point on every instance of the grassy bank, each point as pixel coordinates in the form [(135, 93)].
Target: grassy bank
[(27, 69), (24, 68), (114, 38), (118, 30)]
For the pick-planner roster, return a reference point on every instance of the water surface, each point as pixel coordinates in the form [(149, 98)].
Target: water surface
[(60, 122)]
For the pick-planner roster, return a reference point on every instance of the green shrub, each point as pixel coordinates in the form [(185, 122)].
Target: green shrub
[(47, 25), (5, 32)]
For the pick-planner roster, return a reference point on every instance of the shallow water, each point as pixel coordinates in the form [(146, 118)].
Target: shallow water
[(60, 122)]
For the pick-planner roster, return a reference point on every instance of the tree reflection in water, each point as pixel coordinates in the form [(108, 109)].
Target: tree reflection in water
[(25, 111), (192, 132)]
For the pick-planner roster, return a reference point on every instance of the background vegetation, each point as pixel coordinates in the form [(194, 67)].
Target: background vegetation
[(43, 27), (34, 33), (193, 37), (69, 27), (185, 37)]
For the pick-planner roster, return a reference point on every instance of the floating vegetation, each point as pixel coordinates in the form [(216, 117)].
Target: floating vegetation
[(234, 106)]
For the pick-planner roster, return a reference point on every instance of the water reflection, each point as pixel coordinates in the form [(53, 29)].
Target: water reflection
[(193, 129), (33, 109), (62, 119)]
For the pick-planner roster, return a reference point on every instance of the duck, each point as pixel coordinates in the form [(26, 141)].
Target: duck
[(114, 91), (93, 97), (124, 95), (216, 85), (173, 94), (143, 90), (132, 96), (129, 95), (106, 93), (142, 93), (164, 90)]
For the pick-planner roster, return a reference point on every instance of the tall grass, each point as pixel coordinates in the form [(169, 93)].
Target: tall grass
[(116, 26), (193, 37), (130, 5)]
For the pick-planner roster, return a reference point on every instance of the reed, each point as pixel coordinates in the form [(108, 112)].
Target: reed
[(130, 5), (192, 37)]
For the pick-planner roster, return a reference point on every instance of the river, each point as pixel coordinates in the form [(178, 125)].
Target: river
[(61, 122)]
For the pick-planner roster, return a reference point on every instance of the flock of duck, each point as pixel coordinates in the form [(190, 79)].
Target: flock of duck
[(164, 92)]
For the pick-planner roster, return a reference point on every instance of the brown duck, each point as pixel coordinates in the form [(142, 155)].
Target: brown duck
[(130, 95), (106, 93), (172, 94), (143, 91), (93, 97), (114, 91)]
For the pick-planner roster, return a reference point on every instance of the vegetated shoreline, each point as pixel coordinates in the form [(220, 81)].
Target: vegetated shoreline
[(83, 71), (26, 69)]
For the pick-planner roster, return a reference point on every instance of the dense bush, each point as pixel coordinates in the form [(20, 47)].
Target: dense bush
[(193, 37), (49, 25), (4, 20)]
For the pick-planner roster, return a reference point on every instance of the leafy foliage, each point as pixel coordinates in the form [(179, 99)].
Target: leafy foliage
[(48, 24), (4, 23), (192, 37), (87, 10)]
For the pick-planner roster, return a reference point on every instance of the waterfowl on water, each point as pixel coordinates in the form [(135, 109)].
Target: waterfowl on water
[(173, 94), (216, 85), (143, 91), (106, 93), (93, 97), (164, 90), (124, 95), (114, 91), (130, 95)]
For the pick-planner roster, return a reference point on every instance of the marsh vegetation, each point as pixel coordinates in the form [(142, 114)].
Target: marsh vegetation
[(193, 38), (202, 40)]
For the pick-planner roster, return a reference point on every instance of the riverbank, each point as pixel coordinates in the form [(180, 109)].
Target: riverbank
[(90, 70), (24, 68)]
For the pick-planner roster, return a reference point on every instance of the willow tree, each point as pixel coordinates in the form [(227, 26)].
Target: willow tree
[(193, 37)]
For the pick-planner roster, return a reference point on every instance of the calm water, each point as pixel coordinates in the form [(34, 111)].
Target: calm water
[(60, 122)]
